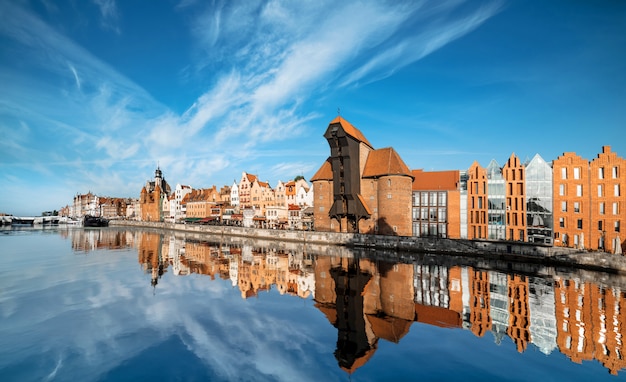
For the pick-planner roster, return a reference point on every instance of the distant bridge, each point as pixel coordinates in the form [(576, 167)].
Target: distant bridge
[(27, 220)]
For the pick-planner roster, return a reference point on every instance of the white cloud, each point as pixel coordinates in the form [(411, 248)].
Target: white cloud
[(265, 62)]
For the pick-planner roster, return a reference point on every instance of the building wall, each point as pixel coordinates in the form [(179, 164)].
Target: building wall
[(539, 204), (515, 187), (477, 202), (394, 205), (454, 214), (608, 201), (323, 202), (571, 200), (150, 205)]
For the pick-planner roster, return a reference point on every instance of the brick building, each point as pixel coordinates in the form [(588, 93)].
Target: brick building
[(477, 202), (359, 188), (436, 204), (152, 196), (515, 188), (589, 201)]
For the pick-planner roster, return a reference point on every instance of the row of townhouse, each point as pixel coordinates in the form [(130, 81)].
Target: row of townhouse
[(101, 206), (568, 202), (249, 202)]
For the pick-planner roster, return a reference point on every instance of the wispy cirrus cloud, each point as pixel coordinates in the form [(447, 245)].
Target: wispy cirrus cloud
[(261, 65), (109, 13)]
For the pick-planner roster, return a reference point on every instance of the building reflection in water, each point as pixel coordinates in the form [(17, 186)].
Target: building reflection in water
[(369, 299), (87, 240)]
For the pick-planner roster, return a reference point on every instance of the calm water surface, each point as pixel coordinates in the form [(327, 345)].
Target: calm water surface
[(115, 305)]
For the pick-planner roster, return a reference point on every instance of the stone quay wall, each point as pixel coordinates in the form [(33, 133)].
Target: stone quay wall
[(333, 242)]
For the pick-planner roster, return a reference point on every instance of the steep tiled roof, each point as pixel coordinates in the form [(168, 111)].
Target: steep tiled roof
[(324, 173), (435, 180), (251, 177), (351, 130), (264, 184), (383, 162)]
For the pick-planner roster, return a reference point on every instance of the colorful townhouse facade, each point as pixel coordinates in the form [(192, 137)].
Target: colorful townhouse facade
[(589, 201)]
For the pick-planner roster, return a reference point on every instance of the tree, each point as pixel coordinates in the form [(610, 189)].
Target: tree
[(297, 178)]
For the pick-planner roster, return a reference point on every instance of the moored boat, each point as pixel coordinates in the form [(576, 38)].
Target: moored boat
[(94, 221)]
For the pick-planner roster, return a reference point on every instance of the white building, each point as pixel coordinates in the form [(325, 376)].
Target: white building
[(181, 191), (234, 195)]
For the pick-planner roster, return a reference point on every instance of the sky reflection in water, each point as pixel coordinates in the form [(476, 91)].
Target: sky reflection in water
[(130, 305)]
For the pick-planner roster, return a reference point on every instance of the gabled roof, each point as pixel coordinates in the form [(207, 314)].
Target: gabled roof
[(263, 184), (350, 130), (383, 162), (435, 180), (251, 177), (324, 173)]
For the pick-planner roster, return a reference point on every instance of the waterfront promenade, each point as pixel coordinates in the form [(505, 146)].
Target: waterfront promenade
[(508, 253)]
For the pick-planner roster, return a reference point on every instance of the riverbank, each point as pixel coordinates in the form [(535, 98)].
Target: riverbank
[(510, 252)]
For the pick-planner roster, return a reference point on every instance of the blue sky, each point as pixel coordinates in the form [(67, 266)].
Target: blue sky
[(95, 94)]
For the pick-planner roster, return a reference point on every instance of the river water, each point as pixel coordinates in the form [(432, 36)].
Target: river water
[(130, 305)]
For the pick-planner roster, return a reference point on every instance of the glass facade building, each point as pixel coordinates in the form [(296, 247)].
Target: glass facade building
[(430, 211), (539, 218), (496, 202)]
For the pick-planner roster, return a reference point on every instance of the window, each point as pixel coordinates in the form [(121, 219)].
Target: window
[(599, 190), (564, 173), (424, 198), (600, 225), (579, 223), (617, 226), (388, 196), (602, 208), (564, 206), (576, 207), (615, 208), (432, 216), (321, 208), (562, 222), (601, 173), (432, 199), (561, 189), (614, 172), (442, 198), (616, 190), (576, 172), (579, 190)]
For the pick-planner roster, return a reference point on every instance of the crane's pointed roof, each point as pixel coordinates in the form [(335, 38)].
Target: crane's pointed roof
[(350, 130)]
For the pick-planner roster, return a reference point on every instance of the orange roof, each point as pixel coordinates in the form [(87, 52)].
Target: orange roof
[(435, 180), (434, 315), (351, 130), (324, 173), (389, 328), (367, 209), (251, 177), (263, 184), (383, 162)]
